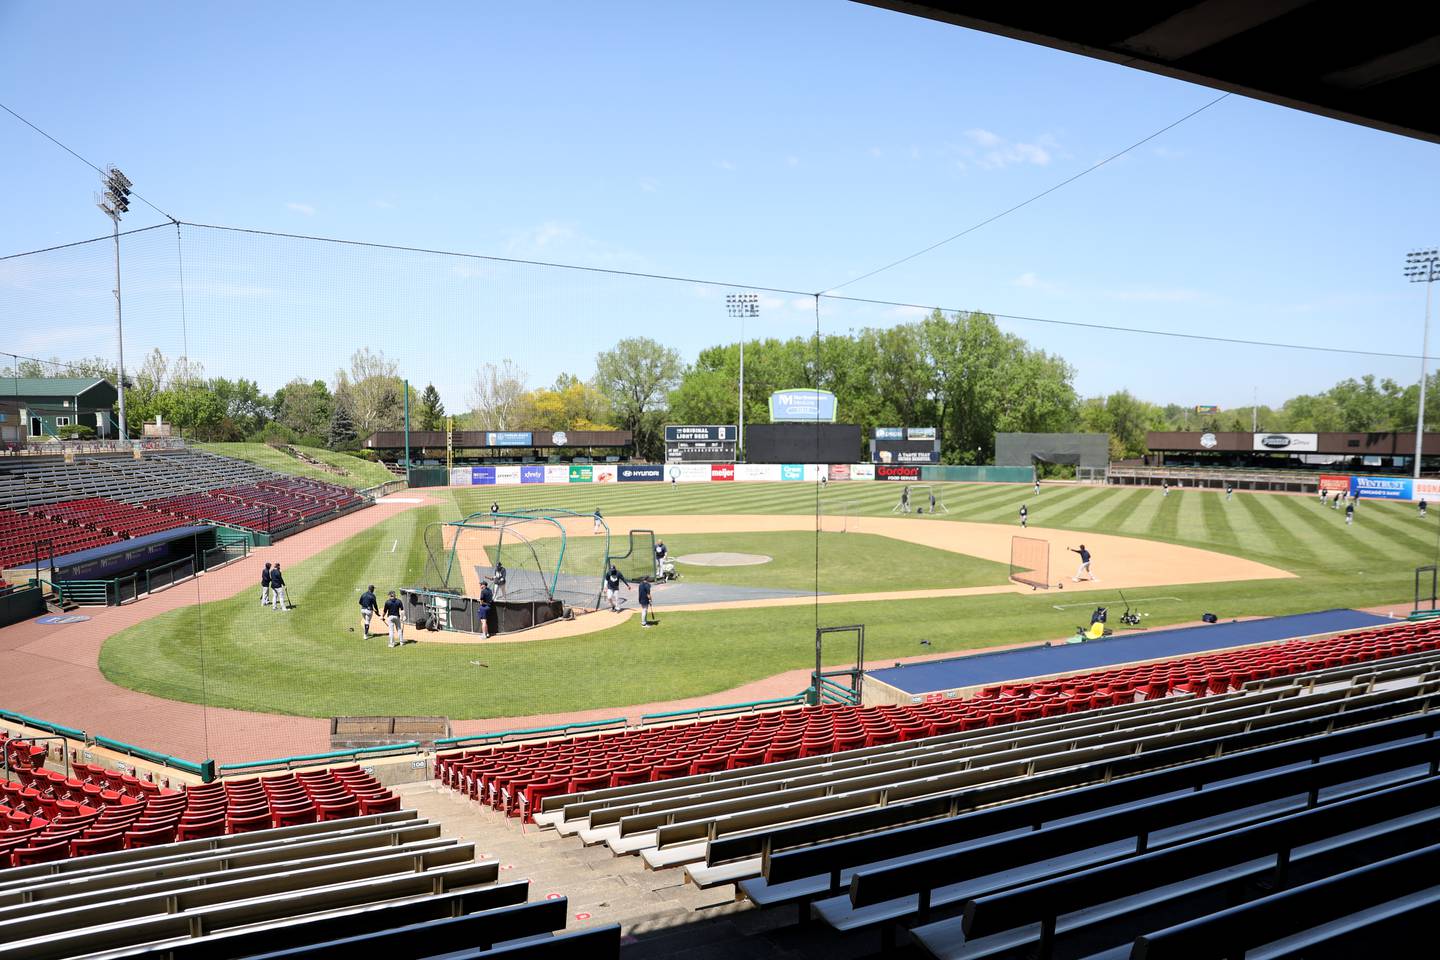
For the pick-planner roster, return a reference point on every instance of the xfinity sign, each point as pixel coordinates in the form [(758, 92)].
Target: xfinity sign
[(1287, 442)]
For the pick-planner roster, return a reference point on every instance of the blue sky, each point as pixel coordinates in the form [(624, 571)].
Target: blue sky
[(793, 145)]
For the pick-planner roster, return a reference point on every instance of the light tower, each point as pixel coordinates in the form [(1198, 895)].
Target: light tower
[(114, 201), (1422, 266), (742, 305)]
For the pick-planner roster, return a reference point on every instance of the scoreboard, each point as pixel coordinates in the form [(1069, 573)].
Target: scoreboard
[(701, 444)]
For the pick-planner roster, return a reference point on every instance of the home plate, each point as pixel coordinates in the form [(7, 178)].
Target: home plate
[(723, 559)]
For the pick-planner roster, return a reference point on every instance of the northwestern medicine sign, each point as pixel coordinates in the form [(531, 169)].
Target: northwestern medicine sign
[(803, 406)]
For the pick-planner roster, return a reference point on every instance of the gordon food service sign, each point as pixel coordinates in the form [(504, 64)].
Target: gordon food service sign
[(1287, 442)]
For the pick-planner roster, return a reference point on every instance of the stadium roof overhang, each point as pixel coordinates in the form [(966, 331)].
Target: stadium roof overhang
[(1374, 65)]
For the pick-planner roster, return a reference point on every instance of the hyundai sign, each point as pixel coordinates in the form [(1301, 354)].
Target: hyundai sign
[(640, 472), (1287, 442), (804, 406)]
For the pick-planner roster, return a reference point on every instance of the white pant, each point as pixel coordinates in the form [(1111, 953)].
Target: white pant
[(397, 629), (599, 526), (1085, 569), (365, 616), (280, 600), (265, 596)]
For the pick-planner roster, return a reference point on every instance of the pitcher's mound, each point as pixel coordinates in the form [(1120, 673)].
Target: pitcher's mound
[(724, 559)]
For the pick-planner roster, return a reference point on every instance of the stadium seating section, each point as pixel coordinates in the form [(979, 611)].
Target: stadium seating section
[(1283, 796), (100, 500), (49, 815), (517, 778)]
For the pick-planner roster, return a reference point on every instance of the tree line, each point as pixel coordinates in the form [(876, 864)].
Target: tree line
[(959, 372)]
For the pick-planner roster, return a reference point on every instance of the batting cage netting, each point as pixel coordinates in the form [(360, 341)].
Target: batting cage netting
[(1030, 561)]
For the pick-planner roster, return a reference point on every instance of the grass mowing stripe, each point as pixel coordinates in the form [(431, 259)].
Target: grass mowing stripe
[(1332, 547), (1215, 513), (1399, 524), (1264, 534), (1071, 508), (1166, 524), (1138, 521), (1190, 522), (1119, 506)]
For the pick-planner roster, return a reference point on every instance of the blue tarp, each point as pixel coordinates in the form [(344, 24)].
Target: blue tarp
[(1039, 661)]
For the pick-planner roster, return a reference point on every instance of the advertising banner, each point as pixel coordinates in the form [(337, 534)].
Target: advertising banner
[(757, 472), (482, 475), (792, 471), (839, 471), (887, 471), (1287, 442), (1381, 488), (460, 477), (532, 473), (804, 405), (640, 473), (581, 473), (889, 433), (507, 438), (557, 473), (722, 471), (507, 474), (1425, 489), (688, 472), (1335, 483), (920, 433), (605, 473), (862, 471), (700, 434)]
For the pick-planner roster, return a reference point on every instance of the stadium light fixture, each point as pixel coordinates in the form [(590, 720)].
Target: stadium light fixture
[(114, 201), (742, 305), (1422, 266)]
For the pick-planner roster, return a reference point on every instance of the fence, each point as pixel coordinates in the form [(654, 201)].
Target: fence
[(21, 602), (383, 489), (223, 554)]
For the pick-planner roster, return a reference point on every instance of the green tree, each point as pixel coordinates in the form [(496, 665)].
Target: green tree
[(342, 431), (432, 411), (304, 409), (637, 377)]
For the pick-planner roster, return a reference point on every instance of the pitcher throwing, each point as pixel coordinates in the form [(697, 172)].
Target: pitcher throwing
[(1084, 563)]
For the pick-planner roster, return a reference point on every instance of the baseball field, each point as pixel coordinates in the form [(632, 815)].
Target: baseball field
[(908, 579)]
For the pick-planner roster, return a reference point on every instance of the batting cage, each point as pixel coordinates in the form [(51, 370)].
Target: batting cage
[(1030, 561)]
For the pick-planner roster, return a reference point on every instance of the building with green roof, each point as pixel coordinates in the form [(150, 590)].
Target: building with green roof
[(48, 403)]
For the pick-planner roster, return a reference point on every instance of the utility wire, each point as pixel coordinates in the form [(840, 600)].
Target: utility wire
[(1025, 203), (107, 237), (1114, 328), (87, 163)]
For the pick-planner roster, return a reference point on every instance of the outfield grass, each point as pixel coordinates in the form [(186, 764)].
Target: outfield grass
[(355, 473), (307, 662)]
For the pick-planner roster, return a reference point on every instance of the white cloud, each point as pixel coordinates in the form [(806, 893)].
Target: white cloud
[(1168, 153), (875, 151), (725, 164), (1027, 280), (1033, 281), (991, 151), (557, 241), (649, 184), (304, 208), (792, 161), (381, 204)]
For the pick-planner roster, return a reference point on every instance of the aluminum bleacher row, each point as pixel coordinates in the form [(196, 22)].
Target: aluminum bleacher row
[(1290, 810), (385, 884), (523, 779), (100, 500)]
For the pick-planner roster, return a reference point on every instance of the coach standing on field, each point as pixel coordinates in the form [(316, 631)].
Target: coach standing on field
[(368, 606)]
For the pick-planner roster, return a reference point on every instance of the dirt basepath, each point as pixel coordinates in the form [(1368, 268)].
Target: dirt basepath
[(51, 671)]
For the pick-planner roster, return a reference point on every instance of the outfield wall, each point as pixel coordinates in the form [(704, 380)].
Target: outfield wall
[(506, 475)]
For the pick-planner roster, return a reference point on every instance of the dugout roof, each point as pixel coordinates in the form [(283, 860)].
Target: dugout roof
[(1373, 64)]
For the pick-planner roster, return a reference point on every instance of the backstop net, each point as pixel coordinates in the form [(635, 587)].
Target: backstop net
[(1030, 561)]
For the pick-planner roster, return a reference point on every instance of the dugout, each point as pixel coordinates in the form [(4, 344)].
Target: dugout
[(1088, 453), (803, 443)]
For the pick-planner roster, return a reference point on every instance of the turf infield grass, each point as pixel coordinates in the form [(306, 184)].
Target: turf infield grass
[(307, 662)]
